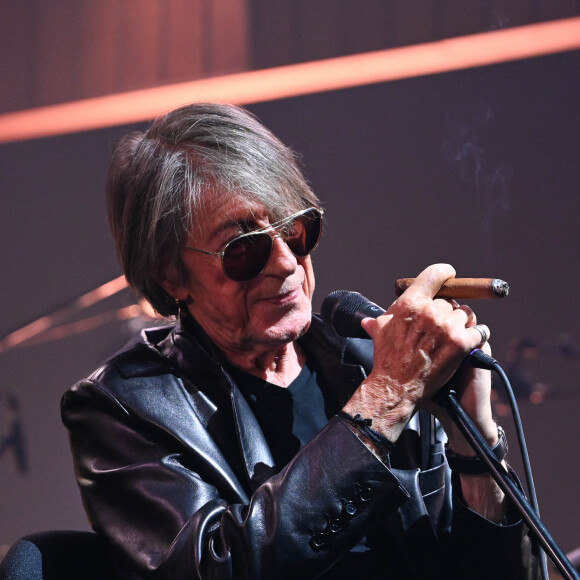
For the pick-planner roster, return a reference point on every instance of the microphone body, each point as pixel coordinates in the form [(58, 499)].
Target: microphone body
[(344, 311)]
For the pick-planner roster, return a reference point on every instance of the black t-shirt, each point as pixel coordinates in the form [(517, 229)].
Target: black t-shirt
[(290, 417)]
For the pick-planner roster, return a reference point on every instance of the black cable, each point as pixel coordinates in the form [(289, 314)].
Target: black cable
[(480, 359)]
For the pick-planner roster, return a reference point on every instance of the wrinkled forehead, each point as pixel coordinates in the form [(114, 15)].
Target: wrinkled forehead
[(219, 213)]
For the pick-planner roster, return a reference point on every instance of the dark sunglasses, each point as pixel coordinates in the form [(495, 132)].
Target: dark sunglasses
[(246, 256)]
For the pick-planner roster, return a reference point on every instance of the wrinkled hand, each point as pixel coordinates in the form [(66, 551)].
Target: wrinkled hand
[(419, 343)]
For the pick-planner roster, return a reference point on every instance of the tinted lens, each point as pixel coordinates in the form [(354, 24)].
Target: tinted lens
[(247, 256), (303, 233)]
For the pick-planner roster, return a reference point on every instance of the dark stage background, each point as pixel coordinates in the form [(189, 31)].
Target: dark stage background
[(478, 168)]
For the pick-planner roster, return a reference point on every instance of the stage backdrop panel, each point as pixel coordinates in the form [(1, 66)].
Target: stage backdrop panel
[(478, 168)]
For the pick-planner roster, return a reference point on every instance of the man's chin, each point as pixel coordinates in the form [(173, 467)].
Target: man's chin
[(282, 333)]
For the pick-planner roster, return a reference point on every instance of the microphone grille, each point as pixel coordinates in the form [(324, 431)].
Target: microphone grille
[(339, 309), (329, 304)]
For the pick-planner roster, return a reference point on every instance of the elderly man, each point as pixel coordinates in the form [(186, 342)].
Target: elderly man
[(247, 439)]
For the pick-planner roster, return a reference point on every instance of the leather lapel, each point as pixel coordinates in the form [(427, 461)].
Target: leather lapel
[(253, 446), (197, 358)]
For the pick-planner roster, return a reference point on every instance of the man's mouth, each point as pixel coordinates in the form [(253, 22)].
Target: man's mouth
[(284, 295)]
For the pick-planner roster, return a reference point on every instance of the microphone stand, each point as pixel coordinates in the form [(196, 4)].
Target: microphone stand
[(448, 399)]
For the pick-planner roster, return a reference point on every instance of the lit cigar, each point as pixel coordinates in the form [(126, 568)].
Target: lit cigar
[(463, 288)]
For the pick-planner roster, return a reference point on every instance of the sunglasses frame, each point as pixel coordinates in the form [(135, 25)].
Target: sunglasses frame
[(266, 230)]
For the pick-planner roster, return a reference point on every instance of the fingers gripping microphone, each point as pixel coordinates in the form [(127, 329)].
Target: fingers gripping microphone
[(344, 310)]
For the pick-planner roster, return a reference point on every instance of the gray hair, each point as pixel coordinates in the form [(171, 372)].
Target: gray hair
[(160, 180)]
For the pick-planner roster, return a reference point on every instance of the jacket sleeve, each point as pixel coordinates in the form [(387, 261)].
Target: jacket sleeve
[(506, 548), (174, 511)]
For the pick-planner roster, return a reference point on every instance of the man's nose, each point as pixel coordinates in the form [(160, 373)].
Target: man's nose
[(282, 260)]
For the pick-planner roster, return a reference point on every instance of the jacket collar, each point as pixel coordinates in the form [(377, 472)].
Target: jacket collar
[(196, 359)]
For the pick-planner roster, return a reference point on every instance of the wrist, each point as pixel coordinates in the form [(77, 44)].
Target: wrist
[(459, 444), (374, 440), (471, 464), (388, 413)]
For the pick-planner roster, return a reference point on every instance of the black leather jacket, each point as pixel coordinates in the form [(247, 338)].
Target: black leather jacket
[(176, 474)]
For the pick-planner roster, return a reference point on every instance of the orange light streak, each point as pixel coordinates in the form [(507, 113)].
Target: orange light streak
[(81, 326), (244, 88), (102, 292), (47, 323)]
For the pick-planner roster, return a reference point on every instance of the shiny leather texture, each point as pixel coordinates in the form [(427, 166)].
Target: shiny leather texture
[(177, 476)]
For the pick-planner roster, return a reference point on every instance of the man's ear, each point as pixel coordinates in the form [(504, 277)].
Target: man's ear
[(170, 279)]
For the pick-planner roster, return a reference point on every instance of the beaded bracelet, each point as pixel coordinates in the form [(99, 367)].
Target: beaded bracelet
[(364, 427), (475, 465)]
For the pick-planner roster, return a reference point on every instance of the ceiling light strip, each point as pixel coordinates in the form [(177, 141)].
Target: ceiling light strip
[(299, 79)]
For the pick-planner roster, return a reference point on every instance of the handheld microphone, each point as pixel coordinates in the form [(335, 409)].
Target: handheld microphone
[(344, 310)]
